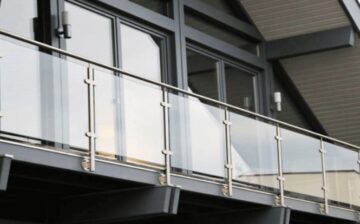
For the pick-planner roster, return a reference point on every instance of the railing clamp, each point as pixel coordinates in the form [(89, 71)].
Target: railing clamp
[(323, 209), (90, 82), (85, 164), (277, 201), (165, 104)]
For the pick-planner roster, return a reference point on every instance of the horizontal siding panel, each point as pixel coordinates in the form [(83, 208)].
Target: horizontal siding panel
[(285, 18), (330, 83)]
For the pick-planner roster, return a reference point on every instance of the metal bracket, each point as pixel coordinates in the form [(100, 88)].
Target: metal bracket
[(226, 122), (85, 164), (90, 82), (226, 190), (162, 179), (165, 104), (323, 209), (277, 201)]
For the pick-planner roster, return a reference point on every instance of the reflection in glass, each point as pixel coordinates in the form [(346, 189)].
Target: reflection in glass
[(142, 113), (240, 89), (202, 74), (18, 16), (254, 151), (20, 90), (107, 113), (197, 136), (302, 164), (91, 34), (342, 175), (77, 101)]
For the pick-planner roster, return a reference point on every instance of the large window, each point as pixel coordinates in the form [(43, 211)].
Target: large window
[(216, 78)]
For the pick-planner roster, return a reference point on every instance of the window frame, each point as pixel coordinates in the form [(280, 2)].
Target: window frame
[(222, 61)]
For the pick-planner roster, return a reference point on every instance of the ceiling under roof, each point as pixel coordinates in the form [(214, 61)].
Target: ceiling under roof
[(278, 19)]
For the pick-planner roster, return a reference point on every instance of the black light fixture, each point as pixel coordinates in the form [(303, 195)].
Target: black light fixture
[(65, 30)]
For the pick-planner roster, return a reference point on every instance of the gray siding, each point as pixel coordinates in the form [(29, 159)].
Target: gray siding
[(330, 83), (278, 19)]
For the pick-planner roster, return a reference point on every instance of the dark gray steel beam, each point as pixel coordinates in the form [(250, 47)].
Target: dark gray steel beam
[(230, 21), (352, 9), (5, 164), (221, 46), (109, 207), (310, 43), (274, 215)]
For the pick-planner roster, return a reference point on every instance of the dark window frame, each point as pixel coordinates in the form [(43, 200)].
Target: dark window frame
[(223, 60)]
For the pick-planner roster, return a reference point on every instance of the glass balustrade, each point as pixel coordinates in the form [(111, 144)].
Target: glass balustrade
[(342, 175), (47, 100), (197, 136), (254, 153), (302, 167)]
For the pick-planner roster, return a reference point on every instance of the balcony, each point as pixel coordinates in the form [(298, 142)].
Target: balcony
[(66, 104)]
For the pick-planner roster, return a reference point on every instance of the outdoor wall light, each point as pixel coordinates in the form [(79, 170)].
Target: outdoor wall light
[(246, 102), (65, 30), (277, 101)]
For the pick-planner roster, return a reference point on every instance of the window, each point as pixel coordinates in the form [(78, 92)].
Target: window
[(215, 77), (202, 74), (19, 16), (240, 87), (92, 34)]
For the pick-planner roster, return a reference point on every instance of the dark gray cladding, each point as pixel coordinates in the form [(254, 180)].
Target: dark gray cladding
[(310, 43)]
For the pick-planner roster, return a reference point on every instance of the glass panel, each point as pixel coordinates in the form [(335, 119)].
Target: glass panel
[(197, 136), (143, 123), (240, 88), (342, 175), (302, 167), (41, 99), (107, 112), (202, 74), (159, 6), (18, 16), (254, 151), (88, 30), (142, 112), (76, 97), (128, 125), (218, 30)]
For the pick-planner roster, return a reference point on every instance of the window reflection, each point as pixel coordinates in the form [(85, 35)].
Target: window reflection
[(91, 34), (18, 16), (202, 74), (240, 88)]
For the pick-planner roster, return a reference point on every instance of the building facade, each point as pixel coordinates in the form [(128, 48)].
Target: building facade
[(179, 111)]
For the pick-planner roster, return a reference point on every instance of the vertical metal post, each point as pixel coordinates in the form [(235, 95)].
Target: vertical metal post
[(280, 178), (89, 164), (167, 152), (228, 190), (322, 150)]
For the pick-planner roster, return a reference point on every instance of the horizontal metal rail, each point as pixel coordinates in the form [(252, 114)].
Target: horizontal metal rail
[(137, 76)]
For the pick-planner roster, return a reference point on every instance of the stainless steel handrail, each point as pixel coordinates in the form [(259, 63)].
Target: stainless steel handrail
[(73, 55)]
